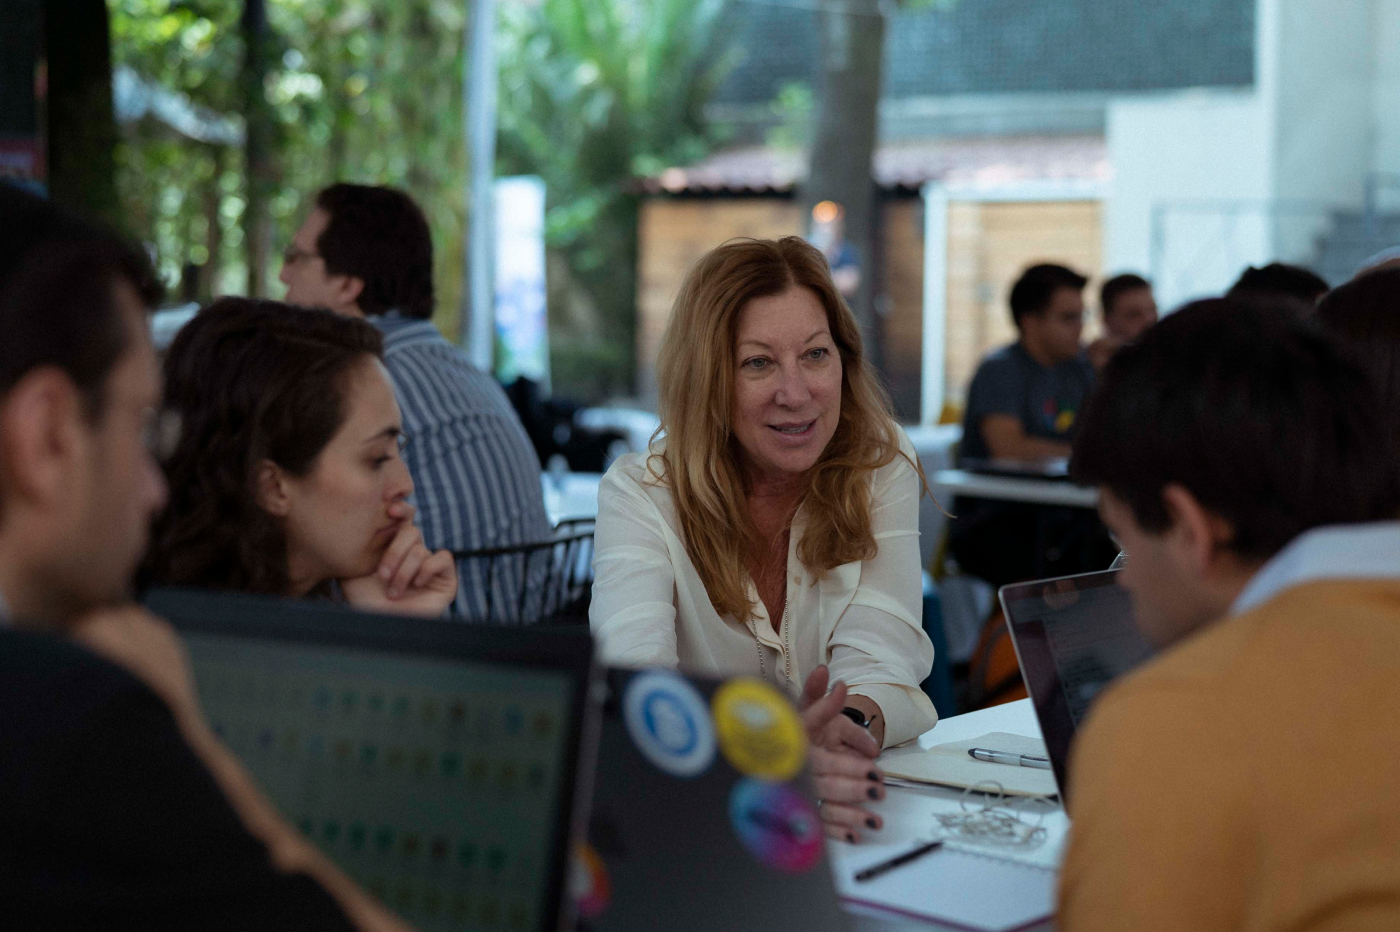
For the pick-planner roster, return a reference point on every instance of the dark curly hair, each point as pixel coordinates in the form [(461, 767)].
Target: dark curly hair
[(380, 236), (251, 381)]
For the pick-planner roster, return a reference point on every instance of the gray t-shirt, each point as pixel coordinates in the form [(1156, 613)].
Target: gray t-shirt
[(1046, 401)]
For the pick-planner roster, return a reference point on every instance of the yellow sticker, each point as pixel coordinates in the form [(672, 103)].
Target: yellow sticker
[(1064, 422), (759, 731)]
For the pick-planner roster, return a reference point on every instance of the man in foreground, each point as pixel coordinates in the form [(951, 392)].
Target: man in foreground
[(366, 252), (119, 808), (1245, 777)]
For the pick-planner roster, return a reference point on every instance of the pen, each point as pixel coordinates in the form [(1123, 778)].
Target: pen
[(875, 870), (1005, 757)]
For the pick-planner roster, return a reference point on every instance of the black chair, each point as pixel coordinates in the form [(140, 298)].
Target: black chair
[(547, 582)]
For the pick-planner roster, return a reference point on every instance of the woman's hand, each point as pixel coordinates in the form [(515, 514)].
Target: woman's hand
[(841, 756), (410, 580)]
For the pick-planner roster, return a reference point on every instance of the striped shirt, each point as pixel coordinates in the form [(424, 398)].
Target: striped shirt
[(476, 476)]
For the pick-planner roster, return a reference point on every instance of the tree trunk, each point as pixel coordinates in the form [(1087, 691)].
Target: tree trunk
[(257, 152), (843, 147), (82, 130)]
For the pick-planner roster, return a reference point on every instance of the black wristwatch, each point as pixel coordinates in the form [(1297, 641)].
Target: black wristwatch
[(856, 715)]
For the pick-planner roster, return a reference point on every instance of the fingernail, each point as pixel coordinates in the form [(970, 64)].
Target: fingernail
[(850, 836), (872, 823), (873, 792), (873, 775)]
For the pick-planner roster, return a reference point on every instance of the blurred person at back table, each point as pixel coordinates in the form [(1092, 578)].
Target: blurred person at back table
[(119, 808), (367, 252), (288, 476), (1128, 309), (1365, 314), (829, 235), (1024, 405), (1299, 288), (773, 530)]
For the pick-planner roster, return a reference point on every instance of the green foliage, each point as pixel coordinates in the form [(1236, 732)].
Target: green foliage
[(594, 96), (792, 111), (361, 91)]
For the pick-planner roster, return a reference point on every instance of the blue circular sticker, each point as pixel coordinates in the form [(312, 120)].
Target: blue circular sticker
[(669, 722)]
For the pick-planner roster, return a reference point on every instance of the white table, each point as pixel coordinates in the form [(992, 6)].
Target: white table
[(952, 482), (908, 812), (570, 495)]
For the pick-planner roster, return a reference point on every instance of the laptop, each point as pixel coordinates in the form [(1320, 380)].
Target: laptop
[(702, 815), (1073, 636), (438, 764)]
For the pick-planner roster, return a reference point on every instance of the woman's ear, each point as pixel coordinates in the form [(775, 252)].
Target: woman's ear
[(273, 490)]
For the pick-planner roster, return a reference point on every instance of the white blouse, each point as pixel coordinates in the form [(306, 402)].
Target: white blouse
[(861, 619)]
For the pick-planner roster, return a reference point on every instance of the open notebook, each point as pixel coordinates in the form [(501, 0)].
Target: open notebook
[(950, 765), (953, 885)]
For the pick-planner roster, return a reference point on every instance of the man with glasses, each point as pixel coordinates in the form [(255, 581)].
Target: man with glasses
[(367, 252), (119, 809)]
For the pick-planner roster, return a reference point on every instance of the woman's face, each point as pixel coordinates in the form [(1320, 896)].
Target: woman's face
[(337, 516), (787, 385)]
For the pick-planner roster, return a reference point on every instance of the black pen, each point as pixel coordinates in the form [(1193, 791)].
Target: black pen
[(875, 870)]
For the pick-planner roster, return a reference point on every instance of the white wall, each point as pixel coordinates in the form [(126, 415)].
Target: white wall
[(1170, 153), (1385, 100), (1323, 114)]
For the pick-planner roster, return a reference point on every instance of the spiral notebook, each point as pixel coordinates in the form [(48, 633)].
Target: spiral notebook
[(953, 885)]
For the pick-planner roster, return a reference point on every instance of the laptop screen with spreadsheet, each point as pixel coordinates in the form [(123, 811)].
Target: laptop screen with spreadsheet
[(435, 763)]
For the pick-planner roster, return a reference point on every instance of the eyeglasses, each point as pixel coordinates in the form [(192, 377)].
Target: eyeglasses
[(293, 255), (160, 432)]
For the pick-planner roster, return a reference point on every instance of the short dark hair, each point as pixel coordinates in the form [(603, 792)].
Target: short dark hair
[(1365, 314), (1278, 278), (1212, 397), (379, 235), (1117, 286), (1035, 289), (250, 380), (58, 302)]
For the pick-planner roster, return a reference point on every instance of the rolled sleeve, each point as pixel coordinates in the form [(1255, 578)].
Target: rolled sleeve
[(878, 645), (633, 612)]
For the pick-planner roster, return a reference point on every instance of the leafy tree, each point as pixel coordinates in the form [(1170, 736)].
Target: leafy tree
[(355, 90), (595, 96)]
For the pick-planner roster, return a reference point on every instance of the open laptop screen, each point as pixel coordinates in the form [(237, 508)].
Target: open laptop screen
[(435, 763), (1073, 636)]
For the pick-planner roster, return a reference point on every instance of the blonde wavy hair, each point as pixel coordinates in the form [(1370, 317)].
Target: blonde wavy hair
[(699, 463)]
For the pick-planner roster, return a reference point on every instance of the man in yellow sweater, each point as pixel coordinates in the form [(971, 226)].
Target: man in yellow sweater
[(1248, 777)]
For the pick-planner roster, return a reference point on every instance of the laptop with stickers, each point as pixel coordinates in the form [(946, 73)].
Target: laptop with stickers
[(439, 765), (702, 815)]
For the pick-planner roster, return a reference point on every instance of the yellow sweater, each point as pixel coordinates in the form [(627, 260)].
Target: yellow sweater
[(1248, 778)]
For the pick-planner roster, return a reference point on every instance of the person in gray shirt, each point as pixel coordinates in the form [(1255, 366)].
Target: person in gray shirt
[(1025, 398), (1024, 405)]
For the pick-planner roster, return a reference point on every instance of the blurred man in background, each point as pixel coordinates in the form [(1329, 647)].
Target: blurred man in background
[(367, 252), (1128, 309)]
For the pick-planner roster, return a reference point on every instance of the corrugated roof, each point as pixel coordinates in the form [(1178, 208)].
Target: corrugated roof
[(1009, 46), (968, 162)]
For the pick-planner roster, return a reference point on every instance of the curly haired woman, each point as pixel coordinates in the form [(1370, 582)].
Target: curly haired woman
[(287, 478)]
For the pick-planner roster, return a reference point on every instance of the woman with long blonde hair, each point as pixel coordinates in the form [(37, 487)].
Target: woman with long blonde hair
[(773, 530)]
